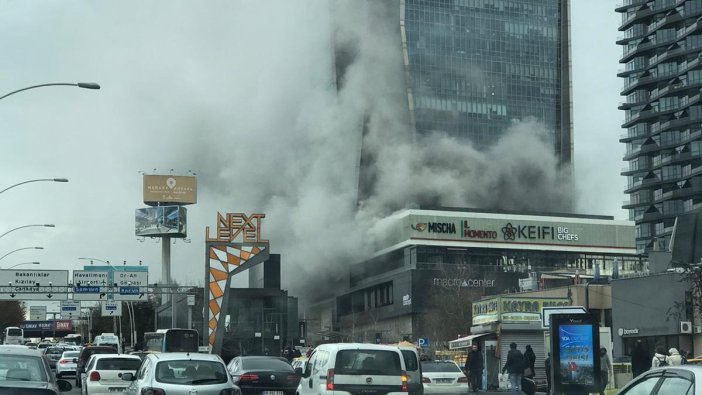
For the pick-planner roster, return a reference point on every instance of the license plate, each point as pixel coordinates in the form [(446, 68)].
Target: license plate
[(271, 392), (115, 389), (444, 381)]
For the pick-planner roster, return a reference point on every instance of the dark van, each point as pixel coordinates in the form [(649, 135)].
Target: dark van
[(85, 354)]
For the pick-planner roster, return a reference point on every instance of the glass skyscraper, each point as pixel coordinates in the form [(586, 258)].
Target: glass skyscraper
[(473, 67), (662, 45), (476, 65)]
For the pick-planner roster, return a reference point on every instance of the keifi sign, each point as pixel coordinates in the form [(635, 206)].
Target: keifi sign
[(513, 309)]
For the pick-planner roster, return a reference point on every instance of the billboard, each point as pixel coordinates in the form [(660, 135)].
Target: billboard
[(162, 221), (169, 189)]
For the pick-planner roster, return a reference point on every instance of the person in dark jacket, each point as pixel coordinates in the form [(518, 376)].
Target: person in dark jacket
[(548, 374), (529, 361), (515, 367), (640, 359), (474, 367)]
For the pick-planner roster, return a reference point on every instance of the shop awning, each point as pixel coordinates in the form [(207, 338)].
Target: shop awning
[(464, 342)]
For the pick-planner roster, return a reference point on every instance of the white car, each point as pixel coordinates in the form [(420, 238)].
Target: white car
[(443, 377), (681, 379), (354, 368), (179, 373), (103, 373), (66, 365)]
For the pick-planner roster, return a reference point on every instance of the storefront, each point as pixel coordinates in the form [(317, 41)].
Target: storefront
[(512, 319)]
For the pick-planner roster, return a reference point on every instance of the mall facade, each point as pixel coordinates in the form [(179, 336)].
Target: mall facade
[(432, 265)]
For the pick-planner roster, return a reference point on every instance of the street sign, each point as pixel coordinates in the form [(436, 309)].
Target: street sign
[(70, 310), (37, 313), (111, 308), (547, 311), (34, 284), (131, 285), (90, 285), (423, 342)]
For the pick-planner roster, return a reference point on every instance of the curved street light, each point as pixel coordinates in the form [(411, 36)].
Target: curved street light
[(85, 85), (23, 263), (98, 260), (37, 180), (20, 249), (26, 226)]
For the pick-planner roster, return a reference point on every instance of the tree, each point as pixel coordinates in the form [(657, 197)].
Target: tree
[(12, 313)]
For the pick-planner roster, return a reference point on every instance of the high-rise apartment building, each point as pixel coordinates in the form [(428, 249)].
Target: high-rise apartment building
[(662, 46), (472, 67)]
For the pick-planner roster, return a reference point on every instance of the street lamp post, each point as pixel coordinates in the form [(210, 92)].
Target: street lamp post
[(26, 226), (23, 263), (20, 249), (37, 180), (85, 85)]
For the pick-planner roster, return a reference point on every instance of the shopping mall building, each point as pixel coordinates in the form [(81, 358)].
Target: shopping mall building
[(431, 265)]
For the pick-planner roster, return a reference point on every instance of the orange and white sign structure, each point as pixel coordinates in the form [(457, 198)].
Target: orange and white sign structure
[(235, 246)]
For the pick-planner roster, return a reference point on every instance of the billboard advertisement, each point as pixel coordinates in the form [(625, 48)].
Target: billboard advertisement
[(162, 221), (169, 189), (574, 345)]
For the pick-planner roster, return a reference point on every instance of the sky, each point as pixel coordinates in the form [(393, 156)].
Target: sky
[(238, 93)]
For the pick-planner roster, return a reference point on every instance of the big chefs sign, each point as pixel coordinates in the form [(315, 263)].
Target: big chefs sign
[(513, 309), (518, 231)]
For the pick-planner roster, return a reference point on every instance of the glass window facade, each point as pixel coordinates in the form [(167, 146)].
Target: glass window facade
[(476, 65)]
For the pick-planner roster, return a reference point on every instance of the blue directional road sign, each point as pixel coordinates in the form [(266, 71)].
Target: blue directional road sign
[(86, 290), (129, 290), (423, 342)]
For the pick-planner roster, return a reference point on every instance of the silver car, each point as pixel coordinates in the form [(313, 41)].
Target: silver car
[(181, 374), (683, 379), (25, 371)]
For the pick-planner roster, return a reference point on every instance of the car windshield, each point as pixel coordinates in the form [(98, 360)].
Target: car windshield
[(375, 362), (21, 368), (70, 354), (118, 364), (54, 350), (440, 367), (266, 364), (191, 372)]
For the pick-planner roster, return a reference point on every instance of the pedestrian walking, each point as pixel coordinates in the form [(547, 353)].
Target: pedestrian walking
[(515, 367), (674, 357), (530, 362), (640, 359), (605, 367), (547, 364), (474, 367), (660, 358)]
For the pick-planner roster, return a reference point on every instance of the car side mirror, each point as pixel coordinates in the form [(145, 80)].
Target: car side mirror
[(64, 385), (128, 376), (298, 371)]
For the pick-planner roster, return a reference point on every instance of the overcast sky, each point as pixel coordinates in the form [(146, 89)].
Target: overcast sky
[(235, 91)]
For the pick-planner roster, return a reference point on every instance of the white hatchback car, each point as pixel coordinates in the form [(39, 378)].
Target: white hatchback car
[(443, 377), (354, 368), (66, 365), (103, 373), (181, 374)]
